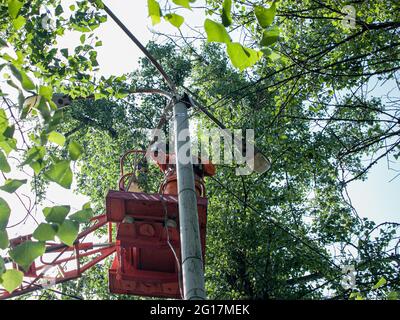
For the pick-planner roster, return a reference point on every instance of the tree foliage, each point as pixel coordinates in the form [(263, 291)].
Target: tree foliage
[(285, 234)]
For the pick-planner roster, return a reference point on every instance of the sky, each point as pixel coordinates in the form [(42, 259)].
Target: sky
[(376, 198), (118, 55)]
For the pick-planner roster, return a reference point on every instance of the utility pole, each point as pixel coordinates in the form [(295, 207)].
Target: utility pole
[(191, 255)]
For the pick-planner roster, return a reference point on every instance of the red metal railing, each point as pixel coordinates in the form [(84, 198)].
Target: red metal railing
[(39, 269)]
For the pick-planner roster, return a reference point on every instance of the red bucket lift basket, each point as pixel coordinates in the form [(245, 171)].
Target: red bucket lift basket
[(148, 244)]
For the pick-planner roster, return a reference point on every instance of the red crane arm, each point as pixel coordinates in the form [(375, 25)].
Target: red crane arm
[(63, 259)]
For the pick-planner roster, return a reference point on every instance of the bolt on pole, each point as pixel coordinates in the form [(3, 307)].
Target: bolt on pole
[(192, 259)]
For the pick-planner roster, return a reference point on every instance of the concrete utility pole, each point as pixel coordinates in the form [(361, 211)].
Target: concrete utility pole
[(192, 259)]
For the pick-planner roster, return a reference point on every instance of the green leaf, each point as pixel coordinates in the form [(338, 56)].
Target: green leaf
[(45, 232), (3, 120), (21, 99), (56, 119), (242, 57), (11, 185), (4, 239), (4, 166), (175, 19), (19, 22), (183, 3), (57, 138), (226, 13), (8, 145), (75, 150), (356, 296), (46, 92), (270, 36), (59, 10), (2, 267), (67, 232), (29, 103), (9, 132), (86, 206), (216, 32), (14, 6), (60, 173), (26, 82), (154, 11), (3, 44), (56, 214), (44, 110), (35, 153), (4, 213), (265, 17), (3, 124), (37, 166), (382, 281), (272, 55), (64, 52), (25, 253), (82, 216), (12, 279), (393, 295)]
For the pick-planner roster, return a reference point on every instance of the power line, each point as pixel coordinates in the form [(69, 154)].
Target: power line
[(38, 288), (170, 83), (141, 47), (212, 118)]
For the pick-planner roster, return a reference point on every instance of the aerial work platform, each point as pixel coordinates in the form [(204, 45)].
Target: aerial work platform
[(148, 259), (145, 241)]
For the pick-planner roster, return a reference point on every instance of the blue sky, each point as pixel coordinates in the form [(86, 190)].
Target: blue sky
[(377, 198)]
